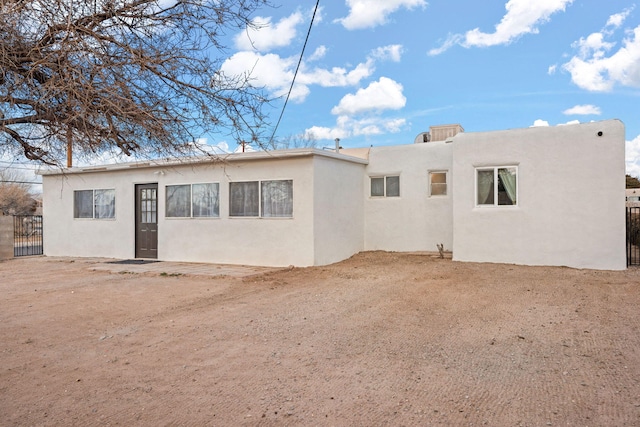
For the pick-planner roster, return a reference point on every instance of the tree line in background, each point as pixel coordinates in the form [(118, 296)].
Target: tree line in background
[(15, 194), (632, 182)]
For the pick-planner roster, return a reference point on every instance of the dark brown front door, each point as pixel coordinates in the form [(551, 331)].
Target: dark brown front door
[(147, 221)]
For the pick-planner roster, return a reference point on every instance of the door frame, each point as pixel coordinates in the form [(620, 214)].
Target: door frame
[(140, 252)]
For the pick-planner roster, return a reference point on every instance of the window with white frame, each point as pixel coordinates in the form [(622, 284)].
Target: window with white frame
[(94, 204), (497, 186), (193, 200), (276, 199), (385, 186), (267, 199), (438, 183)]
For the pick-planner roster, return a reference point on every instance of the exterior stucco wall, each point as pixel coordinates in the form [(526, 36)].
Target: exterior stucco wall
[(255, 241), (570, 208), (338, 210), (6, 237), (66, 236), (237, 240), (415, 221)]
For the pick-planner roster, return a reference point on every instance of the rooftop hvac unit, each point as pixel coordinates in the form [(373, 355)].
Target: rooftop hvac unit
[(444, 132), (422, 138)]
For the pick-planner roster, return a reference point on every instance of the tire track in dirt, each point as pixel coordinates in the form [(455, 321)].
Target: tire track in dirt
[(381, 339)]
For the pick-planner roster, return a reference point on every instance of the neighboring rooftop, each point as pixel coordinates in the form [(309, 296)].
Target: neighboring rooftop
[(439, 133)]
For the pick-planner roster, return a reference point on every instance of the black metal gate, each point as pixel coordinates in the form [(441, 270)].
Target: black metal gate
[(27, 235), (633, 236)]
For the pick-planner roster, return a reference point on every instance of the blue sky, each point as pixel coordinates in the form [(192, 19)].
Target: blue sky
[(380, 72)]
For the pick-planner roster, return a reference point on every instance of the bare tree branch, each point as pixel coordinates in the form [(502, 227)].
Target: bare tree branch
[(141, 76)]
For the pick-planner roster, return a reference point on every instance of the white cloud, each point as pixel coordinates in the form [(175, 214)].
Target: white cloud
[(267, 36), (452, 40), (539, 123), (319, 53), (585, 110), (375, 126), (522, 17), (270, 71), (202, 145), (552, 69), (593, 70), (392, 52), (320, 133), (348, 127), (395, 125), (385, 94), (275, 73), (618, 19), (371, 13), (337, 76), (544, 123), (632, 156)]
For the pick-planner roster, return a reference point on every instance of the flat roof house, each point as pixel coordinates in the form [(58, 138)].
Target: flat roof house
[(535, 196)]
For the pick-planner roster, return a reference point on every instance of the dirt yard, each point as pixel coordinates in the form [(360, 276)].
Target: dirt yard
[(382, 339)]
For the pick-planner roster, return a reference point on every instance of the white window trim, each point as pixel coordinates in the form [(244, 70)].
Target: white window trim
[(446, 174), (495, 204), (173, 218), (93, 205), (384, 179), (260, 213)]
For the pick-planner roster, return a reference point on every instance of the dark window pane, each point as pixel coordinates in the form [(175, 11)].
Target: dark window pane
[(507, 186), (438, 183), (277, 198), (83, 204), (244, 198), (105, 203), (485, 187), (393, 186), (205, 200), (178, 201), (377, 187)]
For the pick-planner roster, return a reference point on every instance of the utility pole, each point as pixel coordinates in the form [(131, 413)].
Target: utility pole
[(69, 146)]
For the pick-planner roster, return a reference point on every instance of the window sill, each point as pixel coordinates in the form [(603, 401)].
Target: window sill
[(489, 208), (178, 218), (262, 217), (94, 219)]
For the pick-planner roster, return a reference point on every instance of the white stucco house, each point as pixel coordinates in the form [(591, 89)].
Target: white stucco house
[(534, 196), (632, 196)]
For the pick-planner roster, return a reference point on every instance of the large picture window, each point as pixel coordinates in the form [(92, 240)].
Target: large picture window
[(193, 200), (385, 186), (267, 199), (497, 186), (94, 204)]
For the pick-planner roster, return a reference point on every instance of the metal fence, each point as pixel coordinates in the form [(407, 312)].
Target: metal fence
[(27, 235), (633, 236)]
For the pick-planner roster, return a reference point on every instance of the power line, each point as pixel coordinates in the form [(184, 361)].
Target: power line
[(17, 168), (296, 72), (21, 182), (16, 165)]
